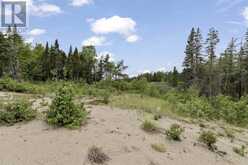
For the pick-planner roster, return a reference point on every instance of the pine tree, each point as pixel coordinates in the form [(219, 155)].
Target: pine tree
[(69, 65), (76, 65), (199, 60), (228, 69), (211, 42), (45, 63), (174, 80), (189, 61), (88, 59)]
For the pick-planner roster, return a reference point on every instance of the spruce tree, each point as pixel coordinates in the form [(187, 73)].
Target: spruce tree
[(211, 42)]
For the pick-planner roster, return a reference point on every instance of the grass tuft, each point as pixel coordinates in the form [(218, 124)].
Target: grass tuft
[(97, 156), (159, 147)]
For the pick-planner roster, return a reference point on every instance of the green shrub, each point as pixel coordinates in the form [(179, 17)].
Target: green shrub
[(152, 91), (209, 138), (174, 133), (140, 85), (11, 85), (149, 126), (63, 112), (16, 112), (157, 116), (233, 112), (106, 97), (241, 151)]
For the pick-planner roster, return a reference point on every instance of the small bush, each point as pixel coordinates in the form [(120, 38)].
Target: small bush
[(159, 147), (140, 85), (229, 133), (96, 155), (174, 132), (63, 112), (149, 126), (17, 112), (209, 138), (11, 85), (157, 116), (106, 97), (241, 151)]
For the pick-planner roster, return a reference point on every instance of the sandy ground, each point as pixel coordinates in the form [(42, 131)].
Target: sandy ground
[(118, 133)]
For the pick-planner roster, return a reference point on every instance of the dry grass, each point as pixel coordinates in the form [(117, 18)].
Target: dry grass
[(97, 156), (149, 126), (159, 147), (145, 103)]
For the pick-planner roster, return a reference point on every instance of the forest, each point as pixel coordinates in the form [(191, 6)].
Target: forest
[(22, 61), (211, 85)]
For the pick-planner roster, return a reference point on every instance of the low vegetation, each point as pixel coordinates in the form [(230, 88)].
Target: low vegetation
[(19, 111), (209, 139), (159, 147), (240, 151), (97, 156), (174, 133), (63, 112), (149, 126)]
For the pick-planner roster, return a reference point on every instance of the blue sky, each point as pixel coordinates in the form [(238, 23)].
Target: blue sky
[(146, 34)]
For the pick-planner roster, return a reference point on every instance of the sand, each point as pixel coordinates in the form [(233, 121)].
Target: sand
[(119, 135)]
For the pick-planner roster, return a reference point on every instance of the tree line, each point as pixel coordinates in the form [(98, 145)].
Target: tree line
[(214, 74), (22, 61), (204, 69)]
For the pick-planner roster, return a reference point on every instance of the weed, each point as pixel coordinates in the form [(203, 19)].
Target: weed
[(96, 155), (174, 132), (149, 126), (240, 151), (209, 138), (16, 112)]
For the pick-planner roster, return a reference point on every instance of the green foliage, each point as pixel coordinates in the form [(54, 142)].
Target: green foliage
[(140, 85), (149, 126), (63, 112), (11, 85), (209, 138), (159, 147), (16, 112), (174, 133), (106, 97), (233, 112), (240, 151), (157, 116)]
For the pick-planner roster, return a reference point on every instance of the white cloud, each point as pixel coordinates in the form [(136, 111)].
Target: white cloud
[(37, 32), (114, 24), (29, 40), (146, 71), (95, 41), (132, 38), (224, 5), (163, 69), (124, 26), (104, 54), (234, 22), (90, 20), (245, 14), (44, 9), (78, 3)]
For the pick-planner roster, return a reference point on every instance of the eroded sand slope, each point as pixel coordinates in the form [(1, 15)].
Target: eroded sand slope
[(118, 133)]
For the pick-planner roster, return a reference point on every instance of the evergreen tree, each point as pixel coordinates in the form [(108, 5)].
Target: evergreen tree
[(211, 42), (189, 61)]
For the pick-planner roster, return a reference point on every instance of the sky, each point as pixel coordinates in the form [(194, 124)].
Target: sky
[(149, 35)]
